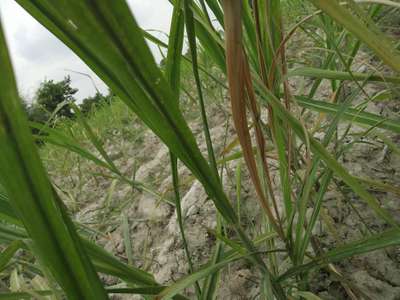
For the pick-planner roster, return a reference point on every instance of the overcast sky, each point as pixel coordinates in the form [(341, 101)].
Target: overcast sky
[(38, 55)]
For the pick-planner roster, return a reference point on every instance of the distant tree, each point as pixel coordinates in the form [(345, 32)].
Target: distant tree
[(25, 104), (50, 94), (90, 103), (36, 113)]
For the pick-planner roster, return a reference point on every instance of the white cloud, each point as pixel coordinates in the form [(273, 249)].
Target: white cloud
[(37, 54)]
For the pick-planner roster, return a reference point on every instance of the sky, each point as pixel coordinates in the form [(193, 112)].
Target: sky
[(38, 55)]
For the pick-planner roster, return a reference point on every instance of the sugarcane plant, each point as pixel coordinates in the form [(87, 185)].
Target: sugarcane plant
[(247, 41)]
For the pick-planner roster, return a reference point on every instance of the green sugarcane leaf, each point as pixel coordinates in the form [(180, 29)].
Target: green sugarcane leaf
[(8, 253), (371, 243), (339, 75), (26, 183), (350, 114)]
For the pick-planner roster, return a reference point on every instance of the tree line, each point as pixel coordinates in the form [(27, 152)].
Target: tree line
[(52, 100)]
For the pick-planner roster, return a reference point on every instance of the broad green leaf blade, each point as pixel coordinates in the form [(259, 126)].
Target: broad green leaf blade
[(26, 183)]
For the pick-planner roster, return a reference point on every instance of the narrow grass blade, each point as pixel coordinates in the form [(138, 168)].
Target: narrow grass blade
[(29, 295), (190, 30), (108, 264), (173, 72), (324, 155), (187, 281), (338, 75), (371, 243), (211, 47), (379, 185), (350, 114), (6, 211), (236, 246), (315, 215), (217, 11), (301, 241), (359, 27), (9, 234), (127, 239), (307, 295), (9, 252), (211, 282), (174, 54), (96, 142), (238, 176), (57, 138)]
